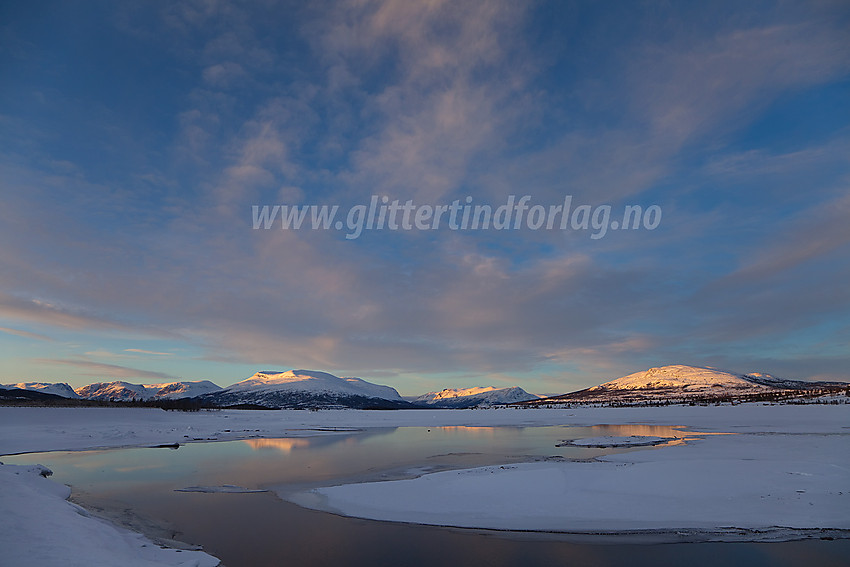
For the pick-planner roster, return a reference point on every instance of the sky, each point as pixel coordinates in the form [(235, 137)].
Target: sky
[(136, 138)]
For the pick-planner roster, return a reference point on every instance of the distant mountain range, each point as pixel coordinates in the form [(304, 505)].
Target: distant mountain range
[(60, 389), (690, 384), (124, 391), (273, 389), (306, 389), (300, 389), (473, 397), (121, 391)]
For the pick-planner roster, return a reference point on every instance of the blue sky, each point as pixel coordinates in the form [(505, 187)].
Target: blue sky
[(135, 138)]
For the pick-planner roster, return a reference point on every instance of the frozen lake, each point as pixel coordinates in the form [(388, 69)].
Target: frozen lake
[(140, 487)]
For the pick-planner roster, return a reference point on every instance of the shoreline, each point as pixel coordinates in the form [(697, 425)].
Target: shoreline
[(744, 487), (80, 429)]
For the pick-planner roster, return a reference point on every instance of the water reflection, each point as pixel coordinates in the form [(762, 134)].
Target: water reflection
[(283, 445), (469, 429), (259, 530), (625, 430)]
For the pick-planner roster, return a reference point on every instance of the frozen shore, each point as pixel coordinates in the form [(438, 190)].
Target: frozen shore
[(38, 526), (787, 466), (746, 486), (32, 430)]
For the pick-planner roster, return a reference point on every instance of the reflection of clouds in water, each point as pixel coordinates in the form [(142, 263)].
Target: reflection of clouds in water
[(283, 445), (138, 468), (468, 430), (642, 430), (88, 465), (676, 433), (288, 444)]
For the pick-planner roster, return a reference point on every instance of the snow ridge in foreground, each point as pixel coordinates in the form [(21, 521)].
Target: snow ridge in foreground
[(40, 527), (724, 487)]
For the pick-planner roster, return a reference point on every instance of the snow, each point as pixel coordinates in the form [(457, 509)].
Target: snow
[(474, 396), (785, 465), (783, 476), (30, 430), (680, 376), (746, 481), (58, 389), (315, 382), (455, 393), (38, 526), (113, 391), (126, 391), (763, 376), (176, 390)]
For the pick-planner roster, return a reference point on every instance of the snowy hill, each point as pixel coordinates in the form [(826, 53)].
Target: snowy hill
[(688, 378), (473, 397), (124, 391), (680, 383), (178, 390), (58, 389), (306, 388)]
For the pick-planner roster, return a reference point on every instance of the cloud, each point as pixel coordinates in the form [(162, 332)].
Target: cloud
[(815, 233), (223, 75), (693, 86), (439, 109), (142, 351), (103, 370), (26, 334), (46, 313), (433, 101)]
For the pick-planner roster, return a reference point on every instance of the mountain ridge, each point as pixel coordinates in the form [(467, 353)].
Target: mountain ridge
[(125, 391), (297, 389), (679, 383), (477, 396)]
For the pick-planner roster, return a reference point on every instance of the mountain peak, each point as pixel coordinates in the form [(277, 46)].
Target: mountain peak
[(679, 376), (473, 397), (126, 391), (311, 382), (680, 383)]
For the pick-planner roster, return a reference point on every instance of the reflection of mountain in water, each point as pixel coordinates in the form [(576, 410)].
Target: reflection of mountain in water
[(290, 444)]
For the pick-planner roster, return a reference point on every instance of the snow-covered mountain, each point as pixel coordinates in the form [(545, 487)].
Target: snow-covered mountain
[(124, 391), (306, 388), (679, 383), (179, 390), (691, 379), (58, 389), (473, 397)]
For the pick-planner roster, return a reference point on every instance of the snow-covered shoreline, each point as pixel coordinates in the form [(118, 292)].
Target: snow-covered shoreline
[(33, 430), (788, 466), (39, 526), (743, 487)]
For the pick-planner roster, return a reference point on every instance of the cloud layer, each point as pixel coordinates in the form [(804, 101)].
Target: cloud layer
[(127, 182)]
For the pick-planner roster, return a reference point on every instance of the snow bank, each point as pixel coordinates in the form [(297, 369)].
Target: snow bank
[(30, 430), (749, 481), (787, 466), (38, 526)]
